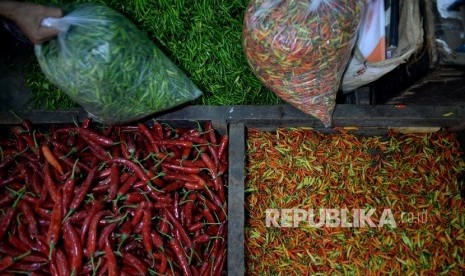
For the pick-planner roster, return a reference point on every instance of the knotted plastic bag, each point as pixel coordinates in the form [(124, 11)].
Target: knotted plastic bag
[(110, 68), (300, 48)]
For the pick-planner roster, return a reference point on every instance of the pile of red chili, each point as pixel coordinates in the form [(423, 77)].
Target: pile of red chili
[(147, 199), (413, 175)]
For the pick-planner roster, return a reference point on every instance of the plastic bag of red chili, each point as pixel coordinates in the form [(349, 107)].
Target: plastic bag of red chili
[(300, 48)]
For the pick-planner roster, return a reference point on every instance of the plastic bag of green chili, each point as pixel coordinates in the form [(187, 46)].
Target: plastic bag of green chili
[(110, 68), (300, 48)]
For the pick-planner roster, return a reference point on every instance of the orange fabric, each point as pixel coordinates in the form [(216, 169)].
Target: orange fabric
[(379, 52)]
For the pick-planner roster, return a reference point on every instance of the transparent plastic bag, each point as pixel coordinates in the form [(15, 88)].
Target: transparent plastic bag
[(300, 48), (110, 68)]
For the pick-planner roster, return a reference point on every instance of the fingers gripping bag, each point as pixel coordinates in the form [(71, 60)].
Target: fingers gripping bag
[(109, 67), (300, 48)]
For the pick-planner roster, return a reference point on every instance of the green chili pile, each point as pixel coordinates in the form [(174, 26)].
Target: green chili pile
[(108, 66), (299, 49), (413, 175)]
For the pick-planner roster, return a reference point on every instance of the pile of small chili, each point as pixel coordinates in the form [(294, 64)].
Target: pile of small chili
[(145, 199), (413, 175), (300, 48)]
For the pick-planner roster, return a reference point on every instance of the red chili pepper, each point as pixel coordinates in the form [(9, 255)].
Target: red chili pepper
[(92, 237), (208, 203), (214, 153), (111, 259), (5, 164), (6, 221), (158, 131), (148, 135), (6, 249), (50, 157), (180, 256), (29, 215), (15, 242), (195, 227), (219, 187), (163, 226), (138, 215), (131, 260), (213, 197), (210, 165), (218, 260), (114, 180), (79, 217), (105, 233), (82, 192), (25, 238), (182, 232), (201, 239), (163, 263), (126, 229), (73, 246), (134, 197), (204, 269), (54, 229), (194, 186), (194, 178), (146, 230), (157, 240), (126, 186), (68, 192), (211, 132), (50, 185), (134, 167), (6, 199), (175, 143), (61, 262), (224, 140), (39, 242), (33, 267), (173, 186), (98, 151), (96, 207), (176, 168), (87, 134), (188, 163), (34, 258), (8, 261)]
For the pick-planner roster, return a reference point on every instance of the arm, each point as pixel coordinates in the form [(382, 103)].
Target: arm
[(29, 17)]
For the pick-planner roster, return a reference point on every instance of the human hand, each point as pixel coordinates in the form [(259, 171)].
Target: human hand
[(28, 17)]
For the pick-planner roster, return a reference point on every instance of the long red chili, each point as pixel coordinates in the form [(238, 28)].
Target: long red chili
[(133, 166), (73, 247), (180, 256), (114, 182), (54, 229), (8, 261), (222, 145), (50, 185), (177, 168), (61, 262), (6, 221), (92, 236), (148, 135), (111, 259), (105, 233), (96, 207), (133, 261), (29, 215), (50, 157), (82, 192), (182, 232), (146, 230)]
